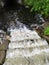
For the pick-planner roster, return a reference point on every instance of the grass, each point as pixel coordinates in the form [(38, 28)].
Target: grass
[(46, 31)]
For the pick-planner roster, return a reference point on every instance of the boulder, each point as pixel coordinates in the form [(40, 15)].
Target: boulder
[(2, 3)]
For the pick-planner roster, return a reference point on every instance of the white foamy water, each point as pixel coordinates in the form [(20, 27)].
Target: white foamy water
[(26, 47)]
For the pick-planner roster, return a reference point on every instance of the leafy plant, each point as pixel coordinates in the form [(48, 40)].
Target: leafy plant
[(46, 31), (39, 6)]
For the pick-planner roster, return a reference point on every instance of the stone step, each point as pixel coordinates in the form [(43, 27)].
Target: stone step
[(23, 47), (27, 48), (20, 36), (28, 44), (12, 53), (41, 59)]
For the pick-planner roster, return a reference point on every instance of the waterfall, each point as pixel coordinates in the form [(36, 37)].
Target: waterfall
[(26, 47)]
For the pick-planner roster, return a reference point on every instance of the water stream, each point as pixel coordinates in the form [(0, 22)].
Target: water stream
[(26, 47)]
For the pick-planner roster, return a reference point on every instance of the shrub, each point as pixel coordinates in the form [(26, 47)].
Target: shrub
[(39, 6)]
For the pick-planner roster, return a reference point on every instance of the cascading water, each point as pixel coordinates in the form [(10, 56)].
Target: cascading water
[(26, 47)]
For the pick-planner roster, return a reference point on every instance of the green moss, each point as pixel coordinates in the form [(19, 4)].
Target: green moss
[(46, 31)]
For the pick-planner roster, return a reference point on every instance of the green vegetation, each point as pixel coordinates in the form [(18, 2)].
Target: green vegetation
[(39, 6), (46, 31)]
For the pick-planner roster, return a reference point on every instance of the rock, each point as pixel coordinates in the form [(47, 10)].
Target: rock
[(39, 18), (3, 41), (40, 30), (46, 37), (1, 3), (19, 1), (45, 24), (10, 3), (3, 46), (34, 25), (2, 36), (2, 57), (3, 49)]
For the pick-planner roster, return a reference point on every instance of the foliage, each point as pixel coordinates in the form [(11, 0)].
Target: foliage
[(39, 6), (46, 31)]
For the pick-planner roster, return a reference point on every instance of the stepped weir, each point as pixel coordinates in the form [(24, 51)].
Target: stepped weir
[(26, 48)]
